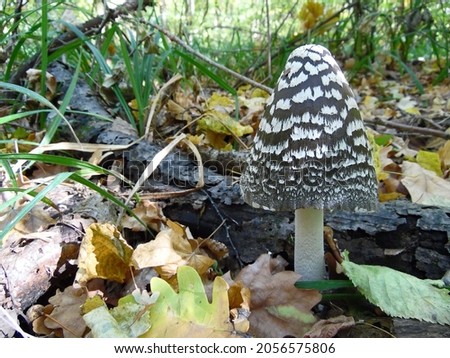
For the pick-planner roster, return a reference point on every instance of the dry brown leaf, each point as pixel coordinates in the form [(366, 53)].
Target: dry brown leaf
[(239, 298), (212, 248), (38, 313), (34, 78), (424, 186), (327, 328), (277, 307), (385, 159), (169, 250), (178, 111), (44, 170), (66, 314), (149, 212)]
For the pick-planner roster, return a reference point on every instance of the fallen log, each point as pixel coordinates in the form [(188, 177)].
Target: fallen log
[(402, 235)]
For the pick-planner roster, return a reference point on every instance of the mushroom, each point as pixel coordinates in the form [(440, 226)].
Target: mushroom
[(310, 153)]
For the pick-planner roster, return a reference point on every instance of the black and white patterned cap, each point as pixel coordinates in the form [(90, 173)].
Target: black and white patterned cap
[(311, 149)]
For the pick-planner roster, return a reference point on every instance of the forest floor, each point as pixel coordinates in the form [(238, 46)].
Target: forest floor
[(77, 249)]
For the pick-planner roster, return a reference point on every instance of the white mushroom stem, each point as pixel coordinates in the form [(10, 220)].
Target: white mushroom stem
[(308, 250)]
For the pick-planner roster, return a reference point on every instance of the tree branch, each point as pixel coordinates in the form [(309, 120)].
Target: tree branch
[(188, 48), (408, 128)]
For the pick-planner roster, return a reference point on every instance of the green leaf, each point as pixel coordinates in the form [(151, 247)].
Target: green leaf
[(399, 294), (129, 319), (188, 313)]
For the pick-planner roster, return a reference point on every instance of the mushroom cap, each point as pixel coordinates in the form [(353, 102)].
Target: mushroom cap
[(311, 149)]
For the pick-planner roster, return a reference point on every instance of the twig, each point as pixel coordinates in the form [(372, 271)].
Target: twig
[(227, 230), (408, 128), (269, 41), (188, 48)]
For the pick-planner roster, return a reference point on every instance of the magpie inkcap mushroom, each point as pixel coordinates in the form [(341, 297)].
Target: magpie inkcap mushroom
[(311, 153)]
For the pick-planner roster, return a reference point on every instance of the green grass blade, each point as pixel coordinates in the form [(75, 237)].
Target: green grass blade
[(13, 117), (31, 94), (54, 125), (410, 72), (63, 50), (29, 191), (16, 51), (205, 70), (60, 160), (94, 115), (60, 178), (135, 85), (37, 97), (105, 68), (105, 194), (9, 171)]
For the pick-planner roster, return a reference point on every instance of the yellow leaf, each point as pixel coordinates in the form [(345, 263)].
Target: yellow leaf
[(217, 141), (196, 139), (239, 298), (243, 89), (220, 103), (218, 125), (259, 93), (429, 161), (103, 254), (219, 122), (310, 13), (370, 102), (444, 155), (383, 197), (380, 157)]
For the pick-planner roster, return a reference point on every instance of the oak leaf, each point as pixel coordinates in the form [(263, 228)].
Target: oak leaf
[(277, 307), (104, 253), (171, 249), (188, 313)]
